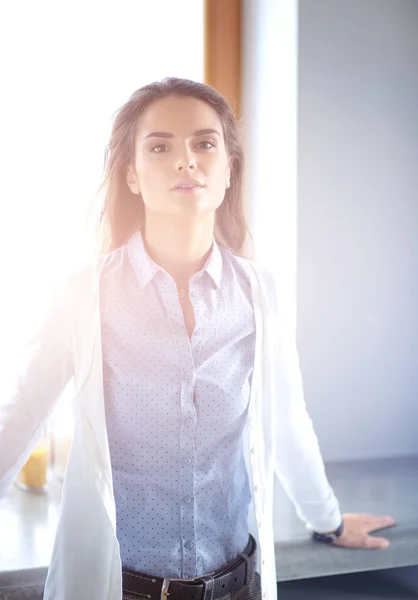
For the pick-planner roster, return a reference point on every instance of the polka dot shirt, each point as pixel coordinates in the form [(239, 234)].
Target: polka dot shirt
[(176, 410)]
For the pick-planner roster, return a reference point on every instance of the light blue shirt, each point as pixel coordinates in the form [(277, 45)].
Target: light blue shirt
[(176, 410)]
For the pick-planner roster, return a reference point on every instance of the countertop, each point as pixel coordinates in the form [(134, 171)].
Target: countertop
[(28, 523), (386, 486)]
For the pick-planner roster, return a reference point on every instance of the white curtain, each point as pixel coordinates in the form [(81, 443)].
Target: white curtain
[(270, 127)]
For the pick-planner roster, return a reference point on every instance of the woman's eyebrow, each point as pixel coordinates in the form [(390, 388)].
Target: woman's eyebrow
[(159, 134), (165, 134), (206, 132)]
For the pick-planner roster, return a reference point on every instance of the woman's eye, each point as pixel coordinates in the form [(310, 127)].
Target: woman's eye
[(160, 148), (206, 145)]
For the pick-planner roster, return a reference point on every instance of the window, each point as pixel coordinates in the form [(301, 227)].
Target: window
[(66, 68)]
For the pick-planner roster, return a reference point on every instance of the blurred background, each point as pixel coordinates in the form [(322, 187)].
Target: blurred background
[(327, 93), (357, 221)]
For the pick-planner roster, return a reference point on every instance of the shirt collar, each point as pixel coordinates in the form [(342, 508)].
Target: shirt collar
[(145, 268)]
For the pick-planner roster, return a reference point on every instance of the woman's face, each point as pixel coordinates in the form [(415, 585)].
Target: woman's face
[(181, 164)]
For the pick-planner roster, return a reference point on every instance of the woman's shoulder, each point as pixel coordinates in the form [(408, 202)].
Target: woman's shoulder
[(84, 278), (258, 272), (261, 279)]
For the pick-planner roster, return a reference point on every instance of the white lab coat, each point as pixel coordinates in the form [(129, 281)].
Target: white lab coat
[(279, 437)]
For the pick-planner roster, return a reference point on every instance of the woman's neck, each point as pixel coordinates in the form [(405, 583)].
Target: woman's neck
[(180, 248)]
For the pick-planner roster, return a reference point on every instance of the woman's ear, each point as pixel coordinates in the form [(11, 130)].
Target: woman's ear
[(132, 181)]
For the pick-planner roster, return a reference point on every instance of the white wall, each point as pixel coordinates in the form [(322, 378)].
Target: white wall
[(358, 211), (344, 207)]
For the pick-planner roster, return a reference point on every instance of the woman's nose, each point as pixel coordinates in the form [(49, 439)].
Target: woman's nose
[(186, 162)]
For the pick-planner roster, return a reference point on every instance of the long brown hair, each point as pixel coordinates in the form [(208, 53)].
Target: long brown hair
[(123, 212)]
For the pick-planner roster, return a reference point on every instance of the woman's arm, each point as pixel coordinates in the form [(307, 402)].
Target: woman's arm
[(299, 463), (44, 371)]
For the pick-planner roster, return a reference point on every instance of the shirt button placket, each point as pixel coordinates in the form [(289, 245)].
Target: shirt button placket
[(187, 443)]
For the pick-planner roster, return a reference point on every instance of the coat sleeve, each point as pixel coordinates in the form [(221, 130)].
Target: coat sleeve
[(45, 367), (299, 463)]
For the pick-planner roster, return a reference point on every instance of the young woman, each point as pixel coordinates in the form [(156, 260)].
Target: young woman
[(189, 395)]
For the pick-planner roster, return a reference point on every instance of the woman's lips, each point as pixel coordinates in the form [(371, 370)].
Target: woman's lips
[(188, 189)]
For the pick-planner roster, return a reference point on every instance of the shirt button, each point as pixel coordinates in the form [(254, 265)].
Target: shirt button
[(187, 500), (252, 450), (256, 488), (189, 421), (189, 545), (188, 461), (193, 294)]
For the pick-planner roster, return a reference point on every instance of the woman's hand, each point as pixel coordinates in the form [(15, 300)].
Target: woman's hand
[(357, 528)]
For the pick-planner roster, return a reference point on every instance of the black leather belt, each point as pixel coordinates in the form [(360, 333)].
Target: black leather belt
[(214, 585)]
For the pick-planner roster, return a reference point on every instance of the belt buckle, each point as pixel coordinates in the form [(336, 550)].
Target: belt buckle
[(166, 584)]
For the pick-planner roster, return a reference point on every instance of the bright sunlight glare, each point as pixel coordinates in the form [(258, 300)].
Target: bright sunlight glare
[(69, 67)]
